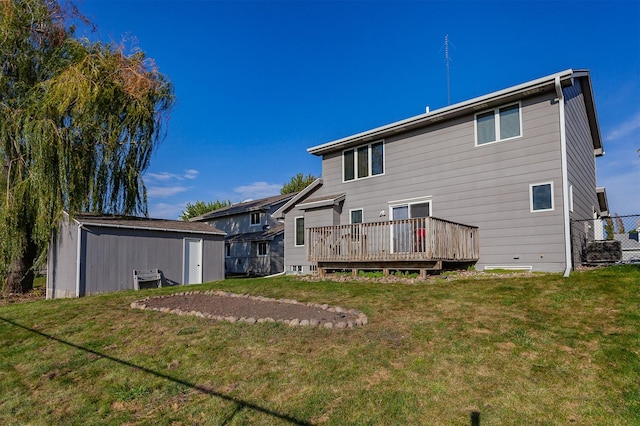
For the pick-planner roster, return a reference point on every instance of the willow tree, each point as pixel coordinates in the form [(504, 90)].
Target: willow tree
[(78, 123)]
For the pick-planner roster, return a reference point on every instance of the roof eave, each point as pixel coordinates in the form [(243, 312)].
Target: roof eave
[(89, 224), (603, 202), (475, 104), (279, 214), (592, 115), (322, 203)]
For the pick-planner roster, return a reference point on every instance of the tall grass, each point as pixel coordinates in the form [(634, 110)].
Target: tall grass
[(516, 349)]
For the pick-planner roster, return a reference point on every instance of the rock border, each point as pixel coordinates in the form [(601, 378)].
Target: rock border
[(361, 318)]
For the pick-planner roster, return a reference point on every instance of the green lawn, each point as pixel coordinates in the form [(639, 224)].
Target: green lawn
[(517, 350)]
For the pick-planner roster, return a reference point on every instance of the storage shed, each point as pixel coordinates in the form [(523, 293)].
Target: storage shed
[(93, 254)]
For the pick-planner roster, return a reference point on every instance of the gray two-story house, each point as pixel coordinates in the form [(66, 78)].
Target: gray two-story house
[(254, 244), (493, 182)]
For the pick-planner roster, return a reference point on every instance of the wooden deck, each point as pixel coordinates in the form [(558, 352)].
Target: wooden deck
[(420, 244)]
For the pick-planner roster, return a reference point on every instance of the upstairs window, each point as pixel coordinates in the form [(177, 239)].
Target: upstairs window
[(363, 161), (256, 218), (498, 125)]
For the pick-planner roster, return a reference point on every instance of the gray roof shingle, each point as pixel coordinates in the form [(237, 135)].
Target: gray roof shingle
[(248, 206), (133, 222)]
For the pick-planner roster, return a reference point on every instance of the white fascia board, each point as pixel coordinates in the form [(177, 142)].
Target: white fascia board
[(442, 113), (146, 228), (279, 214), (322, 203), (603, 202), (149, 228)]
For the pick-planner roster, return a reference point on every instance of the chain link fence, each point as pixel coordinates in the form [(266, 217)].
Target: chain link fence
[(607, 240)]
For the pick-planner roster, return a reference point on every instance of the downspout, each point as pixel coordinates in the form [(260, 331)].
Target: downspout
[(565, 180), (78, 251)]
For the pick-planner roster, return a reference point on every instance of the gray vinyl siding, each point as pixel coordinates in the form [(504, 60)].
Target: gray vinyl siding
[(294, 255), (581, 168), (238, 224), (324, 216), (110, 255), (276, 255), (485, 186), (244, 259), (241, 223), (61, 262)]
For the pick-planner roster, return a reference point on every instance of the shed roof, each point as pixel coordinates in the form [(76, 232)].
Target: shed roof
[(134, 222), (262, 204)]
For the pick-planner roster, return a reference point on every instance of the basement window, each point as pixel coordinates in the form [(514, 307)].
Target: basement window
[(262, 248)]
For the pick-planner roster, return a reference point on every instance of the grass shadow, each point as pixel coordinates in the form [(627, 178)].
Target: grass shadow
[(240, 404)]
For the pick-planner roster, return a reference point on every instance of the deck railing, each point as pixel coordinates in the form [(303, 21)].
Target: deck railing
[(417, 239)]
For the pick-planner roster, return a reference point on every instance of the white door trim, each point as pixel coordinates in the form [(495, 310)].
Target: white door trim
[(186, 273)]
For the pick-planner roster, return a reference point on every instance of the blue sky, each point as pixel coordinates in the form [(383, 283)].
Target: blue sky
[(257, 83)]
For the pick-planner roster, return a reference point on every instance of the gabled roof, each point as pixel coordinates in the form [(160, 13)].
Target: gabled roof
[(279, 214), (565, 78), (262, 204), (324, 201), (133, 222), (266, 235)]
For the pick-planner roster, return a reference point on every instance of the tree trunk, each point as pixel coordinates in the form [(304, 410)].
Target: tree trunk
[(21, 274)]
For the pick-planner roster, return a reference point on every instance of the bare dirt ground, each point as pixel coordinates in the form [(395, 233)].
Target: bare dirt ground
[(35, 294), (239, 307)]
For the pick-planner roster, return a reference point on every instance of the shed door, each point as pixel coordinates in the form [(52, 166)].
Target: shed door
[(192, 265)]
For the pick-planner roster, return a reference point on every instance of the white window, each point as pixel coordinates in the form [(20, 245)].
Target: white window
[(363, 161), (262, 248), (498, 124), (296, 268), (299, 234), (571, 198), (541, 197), (355, 216), (256, 218), (410, 209), (409, 235)]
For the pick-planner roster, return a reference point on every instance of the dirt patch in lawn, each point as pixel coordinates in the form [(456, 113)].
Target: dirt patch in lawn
[(224, 306)]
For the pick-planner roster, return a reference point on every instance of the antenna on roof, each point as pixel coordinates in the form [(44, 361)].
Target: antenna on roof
[(447, 59)]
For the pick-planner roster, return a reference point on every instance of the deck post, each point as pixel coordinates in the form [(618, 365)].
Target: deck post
[(354, 272), (321, 272)]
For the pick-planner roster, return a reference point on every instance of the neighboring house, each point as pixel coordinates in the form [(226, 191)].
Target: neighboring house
[(93, 254), (514, 167), (255, 241)]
